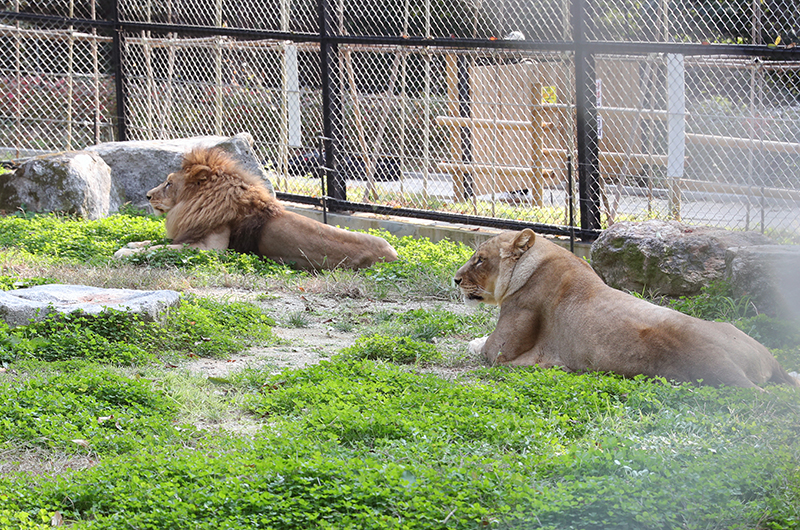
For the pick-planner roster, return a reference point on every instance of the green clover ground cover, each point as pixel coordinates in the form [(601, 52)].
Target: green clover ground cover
[(371, 445), (371, 438)]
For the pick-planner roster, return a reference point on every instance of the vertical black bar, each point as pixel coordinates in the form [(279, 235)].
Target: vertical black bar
[(331, 102), (119, 80), (465, 111), (570, 198), (586, 121)]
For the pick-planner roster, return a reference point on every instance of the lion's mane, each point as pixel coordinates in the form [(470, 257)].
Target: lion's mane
[(217, 191)]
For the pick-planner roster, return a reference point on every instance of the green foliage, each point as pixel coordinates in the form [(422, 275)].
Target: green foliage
[(393, 349), (771, 332), (228, 261), (421, 324), (370, 445), (84, 407), (8, 283), (368, 441), (298, 319), (715, 302), (130, 210), (198, 326), (782, 337), (210, 328), (73, 239), (12, 519), (423, 268)]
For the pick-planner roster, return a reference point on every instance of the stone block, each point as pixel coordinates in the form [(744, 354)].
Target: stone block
[(20, 306)]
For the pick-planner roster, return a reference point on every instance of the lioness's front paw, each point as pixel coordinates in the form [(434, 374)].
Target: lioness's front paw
[(476, 345)]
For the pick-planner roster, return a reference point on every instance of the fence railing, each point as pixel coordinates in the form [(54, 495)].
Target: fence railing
[(500, 113)]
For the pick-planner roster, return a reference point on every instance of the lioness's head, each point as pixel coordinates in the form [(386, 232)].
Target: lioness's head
[(486, 276)]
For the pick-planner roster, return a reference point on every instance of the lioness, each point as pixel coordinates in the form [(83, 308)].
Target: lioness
[(555, 311), (214, 204)]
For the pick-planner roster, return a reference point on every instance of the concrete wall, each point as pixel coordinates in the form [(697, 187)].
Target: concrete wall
[(471, 236)]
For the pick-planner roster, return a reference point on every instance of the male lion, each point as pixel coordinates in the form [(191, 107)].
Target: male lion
[(213, 204), (555, 311)]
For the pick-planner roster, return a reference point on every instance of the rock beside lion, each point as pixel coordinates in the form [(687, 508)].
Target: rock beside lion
[(76, 182), (666, 257), (139, 166)]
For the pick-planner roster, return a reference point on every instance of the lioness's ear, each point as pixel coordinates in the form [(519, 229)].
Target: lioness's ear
[(523, 241)]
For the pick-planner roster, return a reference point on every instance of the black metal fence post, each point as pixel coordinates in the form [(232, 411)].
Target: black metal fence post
[(119, 79), (331, 101), (465, 111), (586, 120)]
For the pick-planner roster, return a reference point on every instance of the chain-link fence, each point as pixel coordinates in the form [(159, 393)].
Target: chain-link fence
[(550, 113)]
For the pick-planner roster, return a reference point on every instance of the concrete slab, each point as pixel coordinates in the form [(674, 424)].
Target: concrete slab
[(20, 306)]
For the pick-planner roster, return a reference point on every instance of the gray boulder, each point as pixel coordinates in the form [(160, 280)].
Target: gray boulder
[(139, 166), (769, 274), (76, 182), (666, 257), (20, 306)]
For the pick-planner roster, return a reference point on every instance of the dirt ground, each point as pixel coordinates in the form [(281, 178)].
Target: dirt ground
[(318, 339)]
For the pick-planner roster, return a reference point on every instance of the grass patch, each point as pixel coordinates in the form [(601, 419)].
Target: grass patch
[(403, 350), (715, 302), (57, 243), (298, 319), (371, 438), (423, 268), (73, 239), (81, 406), (370, 444), (198, 326)]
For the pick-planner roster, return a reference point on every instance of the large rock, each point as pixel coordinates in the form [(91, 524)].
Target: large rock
[(770, 275), (76, 182), (665, 257), (139, 166), (20, 306)]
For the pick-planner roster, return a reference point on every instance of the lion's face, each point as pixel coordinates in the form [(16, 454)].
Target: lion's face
[(485, 277), (164, 196)]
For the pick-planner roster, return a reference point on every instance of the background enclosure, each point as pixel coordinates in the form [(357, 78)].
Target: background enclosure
[(502, 113)]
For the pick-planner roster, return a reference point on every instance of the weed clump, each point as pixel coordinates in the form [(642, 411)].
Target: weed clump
[(403, 350)]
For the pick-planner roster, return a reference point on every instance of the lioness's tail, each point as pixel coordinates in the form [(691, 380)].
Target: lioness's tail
[(780, 376)]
